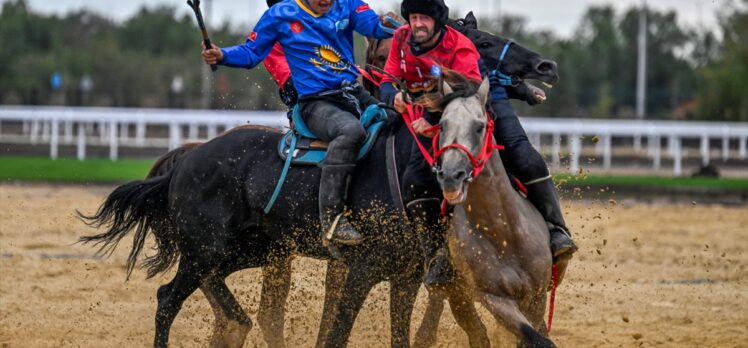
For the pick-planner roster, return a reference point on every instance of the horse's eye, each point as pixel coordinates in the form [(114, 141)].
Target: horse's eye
[(382, 58), (480, 129), (485, 45)]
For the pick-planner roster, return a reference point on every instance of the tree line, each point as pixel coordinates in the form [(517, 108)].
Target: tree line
[(153, 60)]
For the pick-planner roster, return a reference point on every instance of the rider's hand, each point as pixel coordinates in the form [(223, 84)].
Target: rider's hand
[(399, 103), (421, 125), (387, 23), (213, 55)]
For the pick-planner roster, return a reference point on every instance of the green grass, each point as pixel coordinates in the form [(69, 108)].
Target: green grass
[(103, 170), (652, 181), (72, 170)]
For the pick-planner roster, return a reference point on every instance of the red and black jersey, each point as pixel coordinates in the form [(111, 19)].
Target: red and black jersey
[(420, 72)]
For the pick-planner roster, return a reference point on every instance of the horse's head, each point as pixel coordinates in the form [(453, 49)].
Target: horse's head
[(519, 63), (464, 135), (377, 51)]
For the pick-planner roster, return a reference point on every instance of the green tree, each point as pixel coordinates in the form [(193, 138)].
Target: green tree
[(723, 93)]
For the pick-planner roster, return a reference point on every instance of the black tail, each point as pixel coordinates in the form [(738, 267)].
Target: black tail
[(141, 205)]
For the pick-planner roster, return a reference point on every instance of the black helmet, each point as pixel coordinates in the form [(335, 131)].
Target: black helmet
[(435, 9), (272, 2)]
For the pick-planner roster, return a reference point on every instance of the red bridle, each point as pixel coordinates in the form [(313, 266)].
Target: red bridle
[(478, 162)]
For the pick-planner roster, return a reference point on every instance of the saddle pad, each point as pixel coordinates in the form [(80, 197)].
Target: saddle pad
[(311, 151)]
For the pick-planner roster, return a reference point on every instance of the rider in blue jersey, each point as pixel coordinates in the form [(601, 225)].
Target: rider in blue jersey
[(317, 39)]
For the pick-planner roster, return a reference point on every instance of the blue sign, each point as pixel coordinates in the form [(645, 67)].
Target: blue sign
[(56, 81)]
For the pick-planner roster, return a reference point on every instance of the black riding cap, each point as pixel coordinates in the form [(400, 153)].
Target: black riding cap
[(272, 2), (435, 9)]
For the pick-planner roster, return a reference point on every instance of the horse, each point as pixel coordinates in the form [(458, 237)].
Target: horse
[(225, 231), (498, 241)]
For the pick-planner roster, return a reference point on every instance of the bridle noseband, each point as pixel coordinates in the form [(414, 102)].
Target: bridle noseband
[(504, 79), (477, 162)]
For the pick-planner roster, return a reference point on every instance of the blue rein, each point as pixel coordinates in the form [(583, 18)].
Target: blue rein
[(504, 79)]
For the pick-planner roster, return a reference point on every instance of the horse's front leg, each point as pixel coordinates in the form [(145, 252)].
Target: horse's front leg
[(507, 313), (403, 292), (358, 284), (426, 334), (463, 309), (334, 280), (276, 283)]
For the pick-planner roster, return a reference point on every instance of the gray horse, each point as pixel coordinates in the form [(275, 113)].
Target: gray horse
[(498, 241)]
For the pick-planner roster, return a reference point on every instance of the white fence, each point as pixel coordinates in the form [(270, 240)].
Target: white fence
[(110, 127)]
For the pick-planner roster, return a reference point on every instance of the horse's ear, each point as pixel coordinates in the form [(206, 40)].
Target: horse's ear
[(483, 91), (446, 88), (471, 21)]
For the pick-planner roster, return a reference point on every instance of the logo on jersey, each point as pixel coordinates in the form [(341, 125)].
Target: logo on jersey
[(253, 36), (341, 25), (436, 71), (297, 27), (328, 57), (363, 8)]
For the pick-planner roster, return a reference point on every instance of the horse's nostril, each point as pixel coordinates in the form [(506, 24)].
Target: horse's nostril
[(459, 175), (546, 67)]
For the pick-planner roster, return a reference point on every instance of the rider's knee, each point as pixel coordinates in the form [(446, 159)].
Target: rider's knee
[(528, 163), (353, 134)]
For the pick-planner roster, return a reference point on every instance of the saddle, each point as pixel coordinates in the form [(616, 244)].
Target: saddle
[(308, 149)]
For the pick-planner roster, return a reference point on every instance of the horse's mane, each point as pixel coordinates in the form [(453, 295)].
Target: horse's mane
[(462, 87)]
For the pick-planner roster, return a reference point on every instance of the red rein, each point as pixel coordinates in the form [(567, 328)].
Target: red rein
[(478, 162)]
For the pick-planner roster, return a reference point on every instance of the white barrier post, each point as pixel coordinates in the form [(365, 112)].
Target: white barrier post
[(556, 149), (677, 156), (705, 150), (743, 149), (81, 141), (607, 151), (174, 136), (140, 133), (656, 151), (54, 138), (575, 149), (113, 140), (725, 145), (671, 144)]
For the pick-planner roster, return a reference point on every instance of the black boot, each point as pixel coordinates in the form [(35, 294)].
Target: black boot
[(543, 195), (425, 215), (333, 188)]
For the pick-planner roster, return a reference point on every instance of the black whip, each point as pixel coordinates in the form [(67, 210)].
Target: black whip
[(195, 5)]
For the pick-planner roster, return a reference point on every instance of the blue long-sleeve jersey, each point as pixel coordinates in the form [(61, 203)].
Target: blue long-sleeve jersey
[(318, 48)]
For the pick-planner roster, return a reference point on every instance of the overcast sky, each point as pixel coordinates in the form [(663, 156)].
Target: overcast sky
[(560, 16)]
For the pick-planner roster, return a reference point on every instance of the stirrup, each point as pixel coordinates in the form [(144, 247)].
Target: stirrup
[(330, 234)]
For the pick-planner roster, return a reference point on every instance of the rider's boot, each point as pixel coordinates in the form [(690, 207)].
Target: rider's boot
[(543, 195), (333, 189), (425, 215)]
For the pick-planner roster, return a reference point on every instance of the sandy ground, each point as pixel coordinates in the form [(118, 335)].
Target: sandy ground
[(646, 275)]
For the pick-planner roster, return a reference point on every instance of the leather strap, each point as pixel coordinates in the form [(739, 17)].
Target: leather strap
[(392, 177)]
